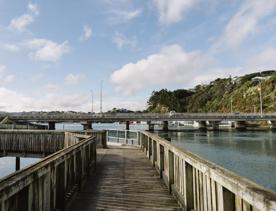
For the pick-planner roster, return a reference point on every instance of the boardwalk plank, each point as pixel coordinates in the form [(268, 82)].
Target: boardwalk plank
[(124, 180)]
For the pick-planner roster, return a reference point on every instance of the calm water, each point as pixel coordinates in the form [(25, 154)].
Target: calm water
[(250, 154), (7, 164)]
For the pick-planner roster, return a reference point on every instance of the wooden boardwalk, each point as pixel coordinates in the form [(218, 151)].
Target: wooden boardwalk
[(124, 180)]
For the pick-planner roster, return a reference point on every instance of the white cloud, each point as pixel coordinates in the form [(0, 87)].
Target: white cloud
[(46, 50), (244, 23), (21, 23), (172, 11), (33, 8), (74, 79), (87, 33), (15, 101), (121, 40), (121, 16), (171, 65), (10, 47), (121, 11), (4, 76), (54, 99), (264, 60)]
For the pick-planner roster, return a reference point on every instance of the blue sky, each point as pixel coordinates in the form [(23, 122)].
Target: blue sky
[(53, 53)]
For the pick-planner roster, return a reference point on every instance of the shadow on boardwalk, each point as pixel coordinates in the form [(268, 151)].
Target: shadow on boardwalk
[(124, 180)]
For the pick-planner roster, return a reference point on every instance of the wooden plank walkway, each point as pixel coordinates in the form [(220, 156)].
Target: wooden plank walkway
[(124, 180)]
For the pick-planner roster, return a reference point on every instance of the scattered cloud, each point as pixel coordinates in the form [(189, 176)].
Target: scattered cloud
[(87, 33), (121, 11), (15, 101), (244, 23), (264, 60), (21, 23), (4, 76), (121, 40), (54, 99), (34, 8), (172, 11), (74, 79), (171, 65), (10, 47), (121, 16), (46, 50)]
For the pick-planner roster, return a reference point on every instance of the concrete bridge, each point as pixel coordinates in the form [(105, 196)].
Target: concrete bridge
[(87, 119), (146, 173)]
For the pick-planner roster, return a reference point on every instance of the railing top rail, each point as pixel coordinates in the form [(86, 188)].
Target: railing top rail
[(134, 131), (207, 166), (30, 131)]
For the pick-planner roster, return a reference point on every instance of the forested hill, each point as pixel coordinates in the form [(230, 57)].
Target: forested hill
[(243, 91)]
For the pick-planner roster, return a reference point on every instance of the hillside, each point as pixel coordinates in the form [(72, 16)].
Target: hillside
[(243, 91)]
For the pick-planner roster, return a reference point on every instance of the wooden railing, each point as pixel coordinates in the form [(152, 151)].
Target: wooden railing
[(50, 183), (100, 136), (200, 184), (35, 143)]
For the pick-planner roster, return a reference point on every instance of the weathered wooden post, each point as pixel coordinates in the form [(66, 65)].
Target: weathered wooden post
[(127, 125), (52, 125), (166, 126), (17, 163)]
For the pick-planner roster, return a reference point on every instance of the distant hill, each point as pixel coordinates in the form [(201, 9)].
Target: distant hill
[(243, 91)]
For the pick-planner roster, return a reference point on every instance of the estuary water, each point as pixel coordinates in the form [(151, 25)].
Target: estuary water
[(251, 154)]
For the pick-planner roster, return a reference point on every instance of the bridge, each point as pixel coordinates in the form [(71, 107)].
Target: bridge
[(87, 119), (137, 171)]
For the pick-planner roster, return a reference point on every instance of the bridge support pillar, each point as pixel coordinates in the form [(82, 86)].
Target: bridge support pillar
[(214, 125), (240, 125), (87, 125), (165, 126), (151, 126), (273, 125), (17, 163), (202, 125), (127, 125), (52, 125)]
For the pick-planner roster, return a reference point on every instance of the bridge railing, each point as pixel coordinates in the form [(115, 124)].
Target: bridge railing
[(123, 136), (200, 184), (50, 183), (58, 117)]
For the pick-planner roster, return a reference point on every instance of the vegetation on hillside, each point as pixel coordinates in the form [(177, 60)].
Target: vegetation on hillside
[(243, 92)]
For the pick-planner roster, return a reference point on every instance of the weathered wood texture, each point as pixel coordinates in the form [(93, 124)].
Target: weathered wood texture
[(200, 184), (100, 136), (40, 143), (124, 180), (49, 184), (33, 143), (22, 127)]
